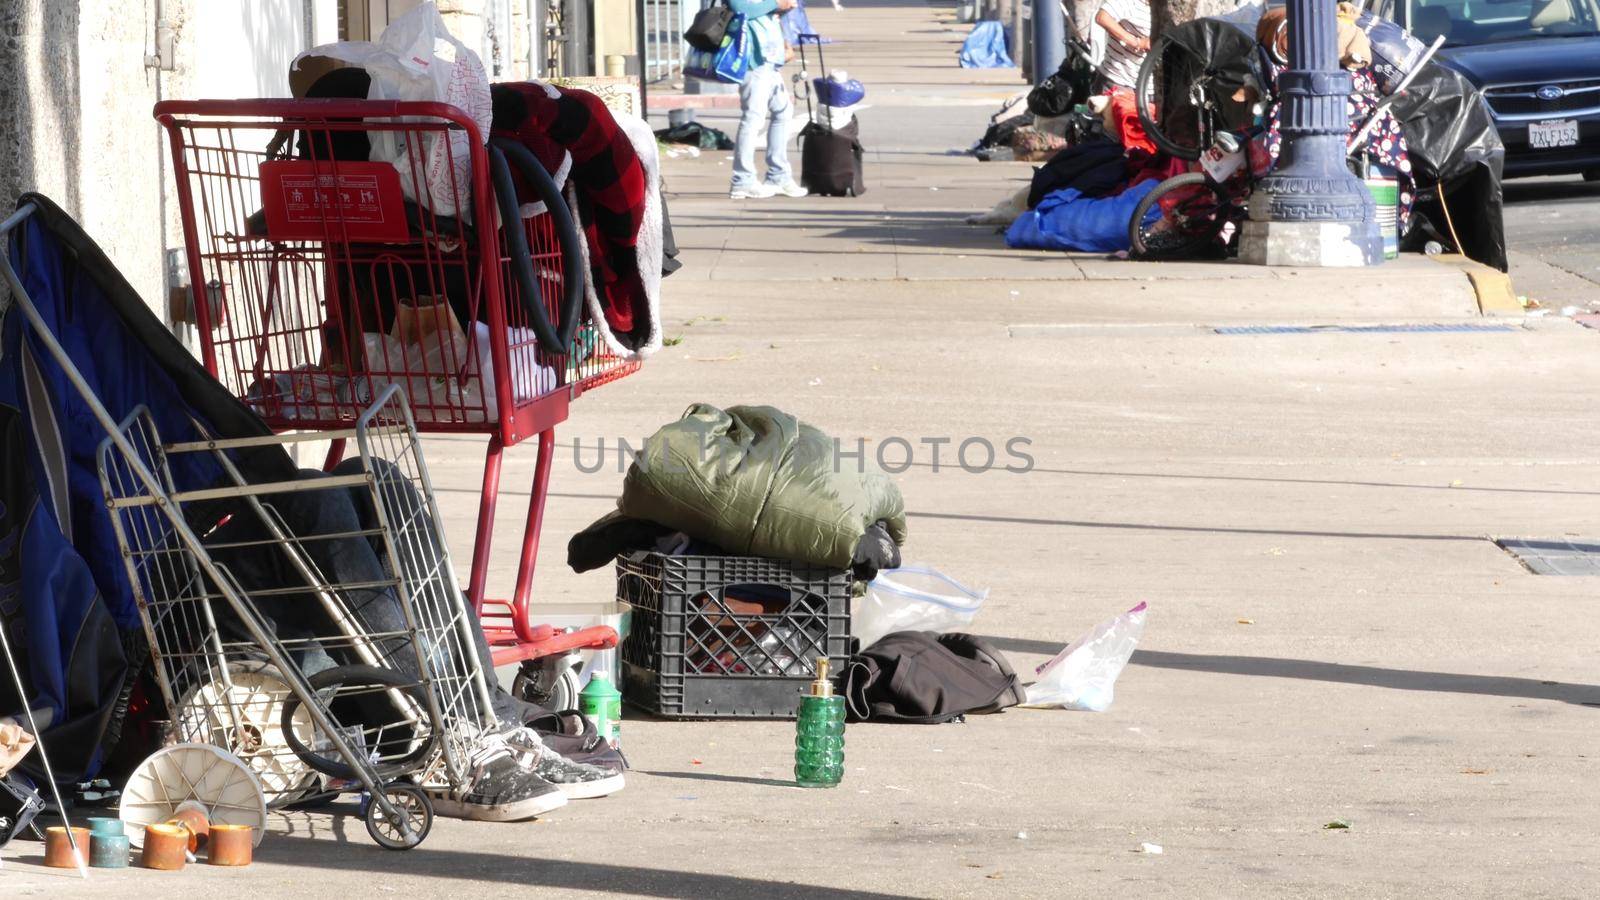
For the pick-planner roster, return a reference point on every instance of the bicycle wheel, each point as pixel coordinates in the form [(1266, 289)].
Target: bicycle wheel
[(1194, 75), (1183, 216)]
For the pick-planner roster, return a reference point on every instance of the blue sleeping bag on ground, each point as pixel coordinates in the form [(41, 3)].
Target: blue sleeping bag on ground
[(1067, 220), (986, 47)]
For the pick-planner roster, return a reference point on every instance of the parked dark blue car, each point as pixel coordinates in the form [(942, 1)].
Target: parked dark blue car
[(1538, 64)]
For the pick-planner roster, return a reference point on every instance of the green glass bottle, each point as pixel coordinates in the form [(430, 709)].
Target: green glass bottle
[(819, 734)]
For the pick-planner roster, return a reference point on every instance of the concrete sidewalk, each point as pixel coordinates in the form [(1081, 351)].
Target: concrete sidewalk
[(1334, 634), (908, 227)]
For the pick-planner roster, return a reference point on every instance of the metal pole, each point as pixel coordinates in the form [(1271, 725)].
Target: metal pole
[(1014, 9), (1312, 211), (644, 60), (1049, 38)]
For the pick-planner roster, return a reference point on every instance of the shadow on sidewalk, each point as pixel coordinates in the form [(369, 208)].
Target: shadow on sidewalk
[(1194, 529), (711, 776), (536, 872), (1312, 670)]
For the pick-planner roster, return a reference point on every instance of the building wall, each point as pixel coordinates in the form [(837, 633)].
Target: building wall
[(77, 88)]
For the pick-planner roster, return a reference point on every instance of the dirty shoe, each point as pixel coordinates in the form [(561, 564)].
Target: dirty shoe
[(501, 787), (578, 781)]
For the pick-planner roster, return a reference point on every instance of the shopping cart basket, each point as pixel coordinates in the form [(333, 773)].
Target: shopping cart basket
[(368, 698), (321, 276)]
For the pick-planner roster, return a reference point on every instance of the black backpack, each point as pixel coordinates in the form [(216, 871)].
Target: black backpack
[(709, 27), (927, 678)]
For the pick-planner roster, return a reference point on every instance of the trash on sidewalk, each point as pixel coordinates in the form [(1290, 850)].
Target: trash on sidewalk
[(1336, 825), (695, 134), (914, 597), (1082, 675), (1150, 849)]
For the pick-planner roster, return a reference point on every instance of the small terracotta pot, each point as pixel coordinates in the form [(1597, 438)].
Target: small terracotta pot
[(231, 845), (58, 846), (165, 847), (192, 816)]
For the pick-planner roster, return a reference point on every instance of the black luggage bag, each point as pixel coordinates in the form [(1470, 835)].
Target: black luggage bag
[(830, 158)]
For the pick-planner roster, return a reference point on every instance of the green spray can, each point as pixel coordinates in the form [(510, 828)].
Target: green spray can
[(602, 703), (819, 734)]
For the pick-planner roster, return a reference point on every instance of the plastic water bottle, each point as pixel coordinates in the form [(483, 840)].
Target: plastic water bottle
[(601, 702), (819, 734)]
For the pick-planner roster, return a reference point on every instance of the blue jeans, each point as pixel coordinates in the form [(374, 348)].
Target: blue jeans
[(762, 95)]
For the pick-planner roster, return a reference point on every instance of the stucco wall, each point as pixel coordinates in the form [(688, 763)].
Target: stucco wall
[(76, 97)]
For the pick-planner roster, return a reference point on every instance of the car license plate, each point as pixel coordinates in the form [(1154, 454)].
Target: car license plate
[(1553, 133)]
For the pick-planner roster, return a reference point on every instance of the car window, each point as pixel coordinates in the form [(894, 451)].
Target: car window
[(1492, 21)]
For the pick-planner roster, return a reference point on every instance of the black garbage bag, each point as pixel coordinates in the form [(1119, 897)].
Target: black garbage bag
[(1455, 147), (696, 135), (1223, 58)]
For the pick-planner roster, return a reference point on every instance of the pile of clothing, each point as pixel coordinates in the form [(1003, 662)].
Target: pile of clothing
[(1438, 130)]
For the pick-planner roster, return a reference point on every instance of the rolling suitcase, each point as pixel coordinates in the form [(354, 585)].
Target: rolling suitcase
[(830, 158)]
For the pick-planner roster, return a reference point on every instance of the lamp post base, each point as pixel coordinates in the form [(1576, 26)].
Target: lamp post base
[(1324, 244)]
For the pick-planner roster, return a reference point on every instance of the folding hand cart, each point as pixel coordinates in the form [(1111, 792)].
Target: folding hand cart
[(394, 702), (305, 254)]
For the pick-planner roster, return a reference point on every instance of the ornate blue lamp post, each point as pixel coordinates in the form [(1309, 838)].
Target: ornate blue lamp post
[(1311, 211)]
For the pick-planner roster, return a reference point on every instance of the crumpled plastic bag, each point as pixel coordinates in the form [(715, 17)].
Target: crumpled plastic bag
[(416, 58), (1082, 675), (914, 597)]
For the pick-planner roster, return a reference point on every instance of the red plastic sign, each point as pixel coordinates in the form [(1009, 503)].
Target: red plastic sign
[(306, 200)]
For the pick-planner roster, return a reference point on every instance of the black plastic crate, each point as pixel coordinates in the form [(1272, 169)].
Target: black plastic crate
[(698, 646)]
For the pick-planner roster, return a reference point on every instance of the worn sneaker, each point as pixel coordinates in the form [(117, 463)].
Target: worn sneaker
[(753, 192), (501, 787), (790, 189), (578, 781)]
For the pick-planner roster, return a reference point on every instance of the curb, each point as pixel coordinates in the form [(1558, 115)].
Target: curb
[(1492, 287)]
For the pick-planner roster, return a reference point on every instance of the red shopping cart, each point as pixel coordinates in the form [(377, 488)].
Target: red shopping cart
[(338, 247)]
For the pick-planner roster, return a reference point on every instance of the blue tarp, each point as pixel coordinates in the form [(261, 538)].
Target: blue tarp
[(65, 597), (1067, 220), (987, 47)]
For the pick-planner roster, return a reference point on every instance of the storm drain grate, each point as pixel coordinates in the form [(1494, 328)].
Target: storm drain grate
[(1555, 557), (1360, 329)]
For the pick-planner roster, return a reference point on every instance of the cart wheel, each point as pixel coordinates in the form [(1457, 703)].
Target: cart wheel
[(388, 754), (551, 682), (414, 820), (192, 773)]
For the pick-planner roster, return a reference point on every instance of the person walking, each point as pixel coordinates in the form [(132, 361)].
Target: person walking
[(762, 97)]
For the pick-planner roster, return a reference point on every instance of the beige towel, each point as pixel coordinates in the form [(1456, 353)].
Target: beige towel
[(14, 745)]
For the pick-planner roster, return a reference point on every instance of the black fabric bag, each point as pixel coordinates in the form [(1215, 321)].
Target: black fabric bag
[(19, 804), (1095, 168), (830, 160), (926, 678), (709, 27)]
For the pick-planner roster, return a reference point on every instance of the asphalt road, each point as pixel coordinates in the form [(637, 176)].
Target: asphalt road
[(1555, 221)]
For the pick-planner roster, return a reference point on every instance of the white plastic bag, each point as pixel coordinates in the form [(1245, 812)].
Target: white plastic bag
[(837, 116), (416, 58), (913, 598), (1082, 675)]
